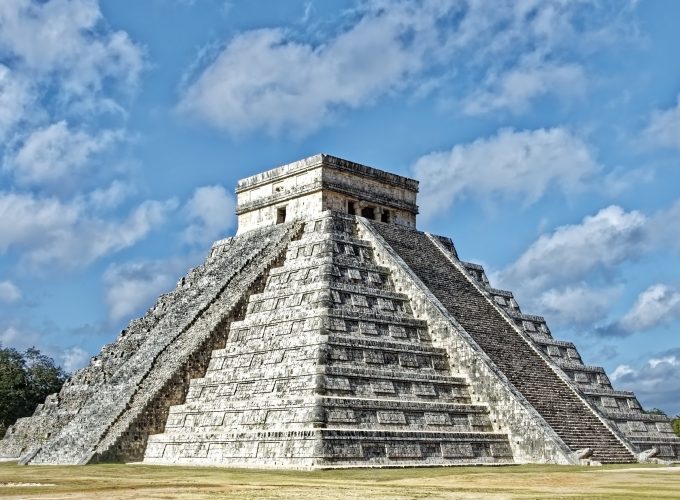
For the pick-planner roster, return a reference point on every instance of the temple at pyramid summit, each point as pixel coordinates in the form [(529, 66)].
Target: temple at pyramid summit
[(331, 332)]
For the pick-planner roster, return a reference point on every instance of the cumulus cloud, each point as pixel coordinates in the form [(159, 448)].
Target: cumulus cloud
[(663, 128), (276, 80), (9, 292), (519, 165), (50, 231), (63, 38), (654, 381), (59, 59), (518, 87), (657, 305), (572, 252), (575, 305), (109, 197), (210, 212), (73, 358), (132, 287), (56, 152), (19, 338), (265, 79), (16, 96), (562, 272)]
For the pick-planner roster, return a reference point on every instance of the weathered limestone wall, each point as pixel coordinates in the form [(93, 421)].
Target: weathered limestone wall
[(322, 182), (383, 192), (532, 440), (642, 430), (328, 368), (337, 202), (111, 419), (296, 207), (28, 434)]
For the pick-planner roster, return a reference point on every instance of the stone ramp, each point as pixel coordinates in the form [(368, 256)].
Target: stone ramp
[(125, 404), (575, 423)]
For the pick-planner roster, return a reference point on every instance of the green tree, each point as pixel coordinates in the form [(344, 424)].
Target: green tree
[(657, 411), (25, 380), (676, 424)]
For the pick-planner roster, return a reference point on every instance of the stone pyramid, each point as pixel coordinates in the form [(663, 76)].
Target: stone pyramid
[(329, 332)]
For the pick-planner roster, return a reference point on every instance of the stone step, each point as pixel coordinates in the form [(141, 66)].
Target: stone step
[(385, 345), (340, 447)]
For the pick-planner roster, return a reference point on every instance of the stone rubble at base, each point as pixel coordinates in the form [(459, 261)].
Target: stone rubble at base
[(317, 338)]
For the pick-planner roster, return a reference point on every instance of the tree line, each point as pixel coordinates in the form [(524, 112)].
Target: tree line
[(26, 379)]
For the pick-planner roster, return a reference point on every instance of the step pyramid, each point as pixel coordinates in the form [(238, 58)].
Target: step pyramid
[(329, 332), (329, 367)]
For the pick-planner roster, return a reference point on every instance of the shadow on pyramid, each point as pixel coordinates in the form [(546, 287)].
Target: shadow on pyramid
[(329, 332)]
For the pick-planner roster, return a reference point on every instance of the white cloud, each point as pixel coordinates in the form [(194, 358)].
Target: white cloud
[(9, 292), (654, 381), (573, 252), (18, 338), (210, 212), (518, 87), (575, 304), (133, 286), (60, 59), (264, 79), (110, 196), (658, 305), (520, 165), (16, 95), (50, 231), (62, 37), (561, 273), (56, 152), (620, 180), (664, 127), (74, 358), (273, 79)]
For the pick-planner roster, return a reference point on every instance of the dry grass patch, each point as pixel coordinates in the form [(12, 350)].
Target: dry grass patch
[(527, 481)]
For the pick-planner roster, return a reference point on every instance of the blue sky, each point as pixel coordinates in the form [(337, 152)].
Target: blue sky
[(545, 134)]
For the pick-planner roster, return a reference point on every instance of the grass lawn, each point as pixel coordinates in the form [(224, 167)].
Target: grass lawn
[(525, 481)]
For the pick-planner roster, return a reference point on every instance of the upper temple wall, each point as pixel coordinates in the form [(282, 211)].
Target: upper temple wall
[(322, 182)]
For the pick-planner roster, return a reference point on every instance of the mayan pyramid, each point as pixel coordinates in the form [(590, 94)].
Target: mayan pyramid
[(330, 332)]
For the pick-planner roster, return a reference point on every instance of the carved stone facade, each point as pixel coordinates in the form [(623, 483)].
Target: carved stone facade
[(331, 333), (308, 187)]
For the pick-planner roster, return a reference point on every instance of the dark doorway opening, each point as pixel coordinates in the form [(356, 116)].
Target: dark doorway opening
[(368, 212), (281, 215), (351, 208), (385, 216)]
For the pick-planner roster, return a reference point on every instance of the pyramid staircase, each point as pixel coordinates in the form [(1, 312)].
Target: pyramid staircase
[(576, 400), (107, 409), (329, 368), (643, 430)]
